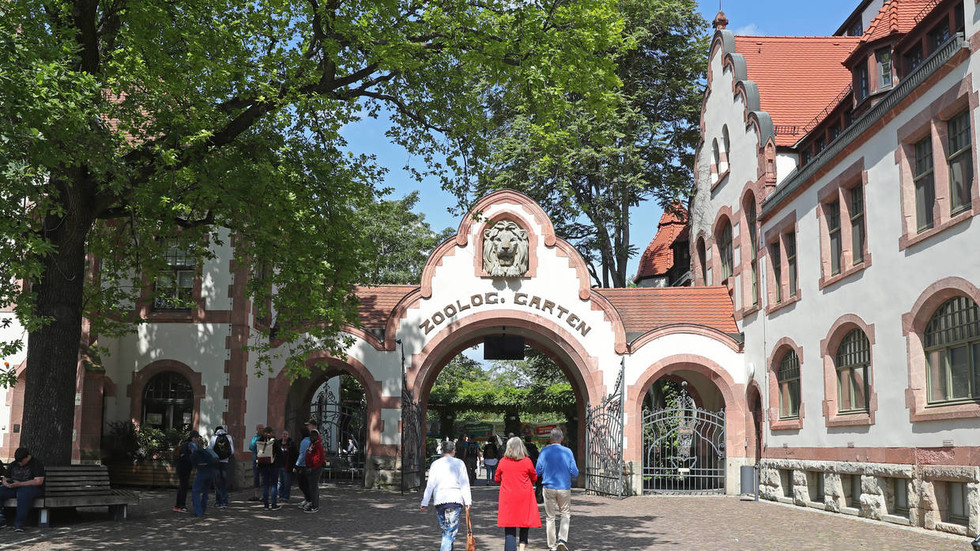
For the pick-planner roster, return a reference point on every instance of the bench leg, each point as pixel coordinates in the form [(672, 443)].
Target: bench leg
[(44, 521)]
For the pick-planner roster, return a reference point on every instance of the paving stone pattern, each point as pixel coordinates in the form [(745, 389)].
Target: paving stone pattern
[(357, 519)]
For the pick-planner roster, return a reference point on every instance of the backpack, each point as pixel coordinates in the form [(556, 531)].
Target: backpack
[(315, 457), (264, 451), (222, 446), (183, 452), (204, 457)]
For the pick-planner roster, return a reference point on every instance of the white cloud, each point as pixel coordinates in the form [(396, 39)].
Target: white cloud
[(749, 30)]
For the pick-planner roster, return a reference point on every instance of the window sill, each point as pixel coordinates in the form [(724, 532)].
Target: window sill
[(828, 281), (909, 240), (857, 419), (794, 423), (940, 412), (780, 305), (721, 179)]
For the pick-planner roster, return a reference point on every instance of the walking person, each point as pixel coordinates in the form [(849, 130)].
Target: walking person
[(300, 466), (490, 453), (184, 468), (22, 479), (224, 448), (289, 453), (556, 468), (313, 461), (256, 479), (270, 460), (517, 511), (449, 489), (205, 460)]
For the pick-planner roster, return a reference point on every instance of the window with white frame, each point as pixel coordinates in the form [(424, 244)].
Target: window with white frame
[(952, 348), (853, 360), (884, 59), (174, 287), (959, 158), (788, 376)]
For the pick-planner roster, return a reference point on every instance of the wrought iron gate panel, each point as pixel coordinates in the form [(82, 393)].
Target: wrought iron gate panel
[(604, 443), (413, 441), (338, 422), (683, 449)]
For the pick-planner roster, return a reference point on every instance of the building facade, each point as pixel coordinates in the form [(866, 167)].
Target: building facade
[(836, 199)]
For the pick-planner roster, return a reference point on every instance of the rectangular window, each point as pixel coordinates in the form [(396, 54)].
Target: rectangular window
[(939, 35), (861, 83), (852, 490), (833, 131), (804, 154), (913, 58), (777, 270), (833, 229), (820, 144), (815, 486), (754, 250), (786, 481), (925, 190), (884, 58), (857, 225), (174, 287), (960, 161), (791, 262), (958, 504), (900, 503)]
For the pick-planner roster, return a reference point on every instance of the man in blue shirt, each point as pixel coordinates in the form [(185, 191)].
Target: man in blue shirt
[(556, 468)]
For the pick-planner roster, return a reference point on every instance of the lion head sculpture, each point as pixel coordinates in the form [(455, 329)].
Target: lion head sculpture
[(505, 250)]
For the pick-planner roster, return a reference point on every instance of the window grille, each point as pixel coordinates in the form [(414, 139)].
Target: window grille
[(852, 362), (788, 376), (952, 349)]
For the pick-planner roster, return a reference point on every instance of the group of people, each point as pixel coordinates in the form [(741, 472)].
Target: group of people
[(275, 462), (449, 484)]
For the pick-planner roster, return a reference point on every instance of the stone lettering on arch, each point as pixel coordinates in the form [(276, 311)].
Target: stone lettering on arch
[(505, 250)]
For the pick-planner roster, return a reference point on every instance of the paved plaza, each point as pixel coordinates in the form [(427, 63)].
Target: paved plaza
[(356, 519)]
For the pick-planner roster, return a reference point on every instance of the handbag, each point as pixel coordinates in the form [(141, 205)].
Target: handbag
[(264, 451), (470, 540)]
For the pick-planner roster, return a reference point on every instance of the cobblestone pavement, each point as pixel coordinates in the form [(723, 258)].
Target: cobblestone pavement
[(356, 519)]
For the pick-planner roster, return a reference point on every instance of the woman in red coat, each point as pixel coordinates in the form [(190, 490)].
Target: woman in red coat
[(517, 508)]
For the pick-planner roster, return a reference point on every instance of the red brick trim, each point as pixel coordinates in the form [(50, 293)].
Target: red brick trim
[(447, 248), (684, 329), (507, 196), (954, 455), (733, 394), (828, 351), (772, 362), (139, 380), (853, 176), (913, 327)]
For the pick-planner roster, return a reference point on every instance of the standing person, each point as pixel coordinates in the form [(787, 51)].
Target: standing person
[(289, 454), (300, 467), (224, 448), (490, 454), (184, 468), (256, 482), (448, 488), (556, 468), (206, 462), (472, 457), (22, 479), (532, 454), (269, 472), (314, 462), (516, 509)]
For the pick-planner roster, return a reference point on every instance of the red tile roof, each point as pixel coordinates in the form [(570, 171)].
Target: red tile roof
[(895, 16), (658, 258), (646, 308), (377, 302), (797, 76)]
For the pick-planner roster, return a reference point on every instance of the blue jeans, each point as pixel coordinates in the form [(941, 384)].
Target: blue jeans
[(511, 538), (285, 481), (201, 489), (25, 497), (270, 481), (221, 484), (448, 514), (256, 474)]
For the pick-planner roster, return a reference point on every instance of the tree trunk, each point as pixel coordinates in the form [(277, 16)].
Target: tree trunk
[(53, 350)]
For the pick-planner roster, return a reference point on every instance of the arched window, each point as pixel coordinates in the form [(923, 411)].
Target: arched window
[(725, 249), (952, 347), (727, 144), (751, 220), (168, 402), (852, 361), (715, 160), (788, 376)]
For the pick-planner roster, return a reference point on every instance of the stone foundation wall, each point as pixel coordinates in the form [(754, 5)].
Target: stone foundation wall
[(874, 491)]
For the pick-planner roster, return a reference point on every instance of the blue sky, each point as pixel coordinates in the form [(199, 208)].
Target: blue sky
[(755, 17)]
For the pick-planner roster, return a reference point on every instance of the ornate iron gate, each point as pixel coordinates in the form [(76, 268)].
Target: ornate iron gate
[(413, 438), (337, 421), (683, 449), (604, 443)]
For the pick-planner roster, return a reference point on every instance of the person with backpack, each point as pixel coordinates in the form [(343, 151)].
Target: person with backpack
[(205, 460), (184, 468), (490, 453), (224, 448), (269, 460), (314, 460), (256, 479)]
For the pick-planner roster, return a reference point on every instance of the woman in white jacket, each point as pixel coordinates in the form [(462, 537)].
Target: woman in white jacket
[(449, 488)]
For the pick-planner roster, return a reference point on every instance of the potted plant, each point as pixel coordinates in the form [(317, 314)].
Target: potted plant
[(141, 456)]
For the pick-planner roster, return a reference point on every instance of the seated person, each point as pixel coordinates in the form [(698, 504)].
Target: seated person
[(23, 480)]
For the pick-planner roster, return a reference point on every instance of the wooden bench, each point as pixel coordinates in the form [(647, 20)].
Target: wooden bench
[(80, 486)]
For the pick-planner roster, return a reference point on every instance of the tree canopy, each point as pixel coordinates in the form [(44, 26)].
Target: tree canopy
[(131, 130), (400, 239)]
